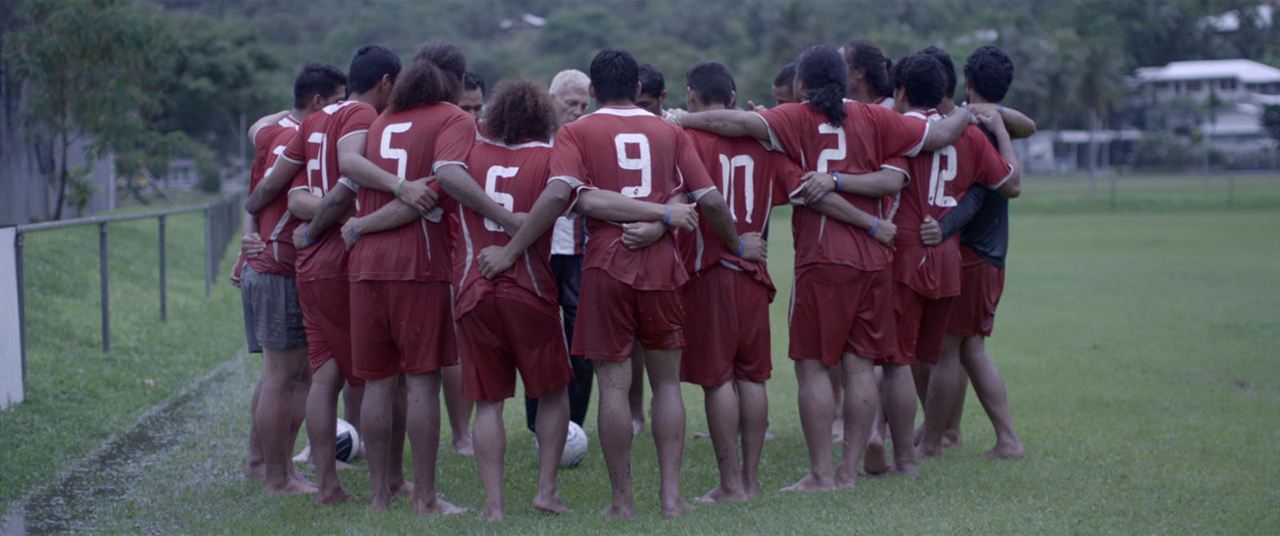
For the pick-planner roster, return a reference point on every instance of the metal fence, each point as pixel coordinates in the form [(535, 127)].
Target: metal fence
[(221, 224)]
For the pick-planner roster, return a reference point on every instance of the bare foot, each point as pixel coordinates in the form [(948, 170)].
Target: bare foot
[(811, 482), (380, 502), (620, 511), (719, 494), (463, 446), (436, 505), (874, 460), (255, 470), (550, 503), (846, 477), (403, 488), (334, 496), (676, 509), (753, 491), (301, 480), (907, 469), (290, 487), (492, 514), (924, 451), (952, 439), (1006, 452)]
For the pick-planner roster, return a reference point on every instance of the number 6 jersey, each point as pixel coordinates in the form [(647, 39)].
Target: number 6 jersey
[(643, 157)]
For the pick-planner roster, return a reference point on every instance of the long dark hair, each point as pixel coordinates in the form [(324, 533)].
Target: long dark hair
[(518, 111), (822, 72), (865, 55), (434, 75)]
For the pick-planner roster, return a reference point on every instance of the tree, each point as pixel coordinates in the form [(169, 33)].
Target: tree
[(86, 62)]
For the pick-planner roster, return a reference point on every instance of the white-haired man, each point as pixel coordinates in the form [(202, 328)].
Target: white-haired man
[(569, 97)]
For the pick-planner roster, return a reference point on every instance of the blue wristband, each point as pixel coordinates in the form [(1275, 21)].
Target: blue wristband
[(666, 218), (742, 248), (355, 234), (874, 226), (836, 176), (306, 235)]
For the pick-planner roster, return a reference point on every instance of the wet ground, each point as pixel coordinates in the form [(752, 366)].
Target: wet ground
[(90, 495)]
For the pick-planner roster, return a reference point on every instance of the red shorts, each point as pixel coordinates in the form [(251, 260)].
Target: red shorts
[(728, 325), (401, 327), (612, 316), (326, 316), (981, 284), (499, 336), (922, 324), (838, 309)]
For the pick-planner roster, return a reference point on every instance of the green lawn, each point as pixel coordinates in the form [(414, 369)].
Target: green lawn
[(1139, 348)]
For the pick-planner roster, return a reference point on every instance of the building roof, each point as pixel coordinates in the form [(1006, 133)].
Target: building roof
[(1247, 71)]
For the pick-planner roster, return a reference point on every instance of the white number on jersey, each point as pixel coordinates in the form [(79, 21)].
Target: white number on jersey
[(279, 150), (939, 176), (505, 199), (313, 165), (728, 169), (827, 155), (401, 156), (644, 164)]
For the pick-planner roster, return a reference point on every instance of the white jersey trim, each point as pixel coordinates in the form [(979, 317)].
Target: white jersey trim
[(623, 112), (442, 163), (352, 133)]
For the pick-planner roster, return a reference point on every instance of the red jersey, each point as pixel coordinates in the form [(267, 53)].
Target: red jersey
[(410, 144), (275, 223), (513, 176), (869, 137), (941, 179), (753, 180), (641, 156), (316, 144)]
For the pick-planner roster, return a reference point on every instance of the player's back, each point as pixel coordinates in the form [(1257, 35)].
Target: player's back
[(513, 176), (643, 157), (752, 180), (275, 223), (410, 144)]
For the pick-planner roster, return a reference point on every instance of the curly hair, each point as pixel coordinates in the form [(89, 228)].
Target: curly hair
[(434, 75), (821, 70), (519, 111)]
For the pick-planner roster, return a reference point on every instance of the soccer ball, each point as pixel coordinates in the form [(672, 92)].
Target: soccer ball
[(348, 442), (575, 446)]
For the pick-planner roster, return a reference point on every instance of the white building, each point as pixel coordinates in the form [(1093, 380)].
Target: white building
[(1179, 95)]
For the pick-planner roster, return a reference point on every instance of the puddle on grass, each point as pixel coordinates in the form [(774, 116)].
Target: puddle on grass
[(75, 501)]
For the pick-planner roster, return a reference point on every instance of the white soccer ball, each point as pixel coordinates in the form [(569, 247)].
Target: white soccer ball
[(348, 442), (575, 446)]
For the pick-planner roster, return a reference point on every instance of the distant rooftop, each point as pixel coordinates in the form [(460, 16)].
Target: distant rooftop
[(1247, 71)]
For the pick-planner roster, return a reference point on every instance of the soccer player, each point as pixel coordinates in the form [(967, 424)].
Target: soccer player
[(726, 303), (511, 322), (472, 100), (842, 303), (784, 85), (868, 73), (273, 323), (629, 296), (653, 90), (982, 221), (569, 99), (322, 259)]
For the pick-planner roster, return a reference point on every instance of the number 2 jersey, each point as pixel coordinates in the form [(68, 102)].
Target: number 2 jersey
[(514, 176), (640, 155), (316, 146), (752, 180), (410, 144), (939, 179), (869, 138)]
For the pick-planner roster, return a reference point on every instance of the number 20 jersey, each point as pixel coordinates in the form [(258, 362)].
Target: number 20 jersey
[(411, 144), (641, 156)]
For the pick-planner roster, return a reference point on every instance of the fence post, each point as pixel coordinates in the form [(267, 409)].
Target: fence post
[(106, 290), (208, 252), (164, 287), (22, 300)]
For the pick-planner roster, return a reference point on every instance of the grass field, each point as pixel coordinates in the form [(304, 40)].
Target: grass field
[(1138, 346)]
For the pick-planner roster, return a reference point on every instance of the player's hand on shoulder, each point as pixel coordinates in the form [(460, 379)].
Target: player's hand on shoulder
[(990, 118), (494, 260), (639, 235), (674, 115), (418, 194), (930, 231), (753, 107), (885, 232), (251, 244), (300, 238), (816, 185), (754, 248)]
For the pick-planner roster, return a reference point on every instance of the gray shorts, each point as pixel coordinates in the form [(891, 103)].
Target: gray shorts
[(272, 316)]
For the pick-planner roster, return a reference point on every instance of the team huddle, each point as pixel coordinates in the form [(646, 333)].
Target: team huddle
[(407, 232)]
